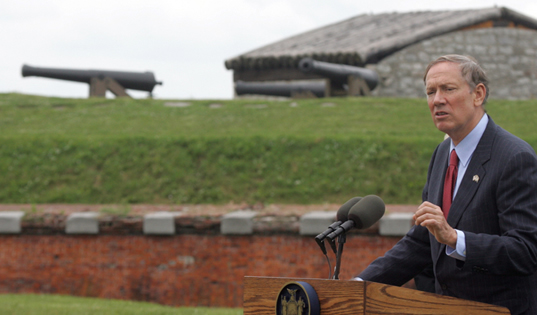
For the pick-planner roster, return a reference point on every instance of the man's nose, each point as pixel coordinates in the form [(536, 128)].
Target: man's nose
[(439, 98)]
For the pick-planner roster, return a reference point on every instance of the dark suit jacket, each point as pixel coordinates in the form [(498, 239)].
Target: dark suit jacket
[(496, 208)]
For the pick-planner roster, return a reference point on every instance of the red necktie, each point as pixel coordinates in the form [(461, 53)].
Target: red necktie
[(450, 182)]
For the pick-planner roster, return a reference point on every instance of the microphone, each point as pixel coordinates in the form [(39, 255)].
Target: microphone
[(361, 216), (342, 216)]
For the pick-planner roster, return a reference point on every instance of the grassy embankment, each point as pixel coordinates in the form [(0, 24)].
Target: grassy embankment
[(125, 151)]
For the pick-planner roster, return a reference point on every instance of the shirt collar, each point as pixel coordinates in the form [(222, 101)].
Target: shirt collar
[(467, 146)]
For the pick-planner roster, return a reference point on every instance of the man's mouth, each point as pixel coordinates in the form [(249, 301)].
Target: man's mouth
[(438, 114)]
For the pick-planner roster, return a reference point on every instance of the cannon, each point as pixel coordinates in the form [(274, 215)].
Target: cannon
[(99, 80), (295, 90), (344, 79)]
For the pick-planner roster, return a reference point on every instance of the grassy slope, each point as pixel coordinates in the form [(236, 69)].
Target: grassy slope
[(304, 151), (53, 117)]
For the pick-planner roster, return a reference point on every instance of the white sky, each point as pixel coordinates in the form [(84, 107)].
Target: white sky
[(184, 43)]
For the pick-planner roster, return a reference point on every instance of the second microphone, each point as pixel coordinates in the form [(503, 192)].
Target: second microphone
[(362, 215)]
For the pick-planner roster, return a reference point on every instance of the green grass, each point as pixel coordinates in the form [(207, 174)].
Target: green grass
[(392, 118), (104, 118), (33, 304), (126, 151)]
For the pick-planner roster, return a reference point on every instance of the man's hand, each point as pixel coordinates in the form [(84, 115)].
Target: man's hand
[(432, 217)]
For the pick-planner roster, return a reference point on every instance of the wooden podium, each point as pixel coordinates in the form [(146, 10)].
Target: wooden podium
[(357, 297)]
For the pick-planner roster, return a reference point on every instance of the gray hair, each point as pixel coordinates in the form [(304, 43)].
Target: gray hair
[(471, 71)]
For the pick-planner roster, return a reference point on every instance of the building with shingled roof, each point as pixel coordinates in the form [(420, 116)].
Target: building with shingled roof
[(398, 46)]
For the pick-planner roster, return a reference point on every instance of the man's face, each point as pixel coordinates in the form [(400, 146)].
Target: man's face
[(455, 108)]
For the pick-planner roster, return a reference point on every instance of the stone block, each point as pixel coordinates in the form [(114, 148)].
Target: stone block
[(82, 223), (396, 224), (238, 223), (10, 222), (316, 222), (159, 223)]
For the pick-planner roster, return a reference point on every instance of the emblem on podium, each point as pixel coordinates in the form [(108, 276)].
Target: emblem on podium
[(297, 298)]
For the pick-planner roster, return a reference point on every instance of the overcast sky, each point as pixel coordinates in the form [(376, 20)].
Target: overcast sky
[(184, 43)]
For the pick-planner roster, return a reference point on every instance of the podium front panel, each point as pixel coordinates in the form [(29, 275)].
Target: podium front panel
[(335, 297)]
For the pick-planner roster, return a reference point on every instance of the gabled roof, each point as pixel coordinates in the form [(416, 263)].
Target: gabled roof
[(369, 38)]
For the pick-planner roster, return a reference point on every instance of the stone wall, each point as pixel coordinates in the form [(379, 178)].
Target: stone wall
[(172, 259), (508, 55)]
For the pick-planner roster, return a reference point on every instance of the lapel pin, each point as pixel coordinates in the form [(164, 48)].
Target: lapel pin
[(476, 178)]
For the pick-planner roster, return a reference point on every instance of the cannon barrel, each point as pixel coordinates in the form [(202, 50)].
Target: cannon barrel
[(338, 72), (142, 81), (279, 89)]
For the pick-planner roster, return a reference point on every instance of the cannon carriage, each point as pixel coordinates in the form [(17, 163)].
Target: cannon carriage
[(99, 80), (331, 79)]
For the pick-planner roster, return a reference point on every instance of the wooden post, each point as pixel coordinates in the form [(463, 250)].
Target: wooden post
[(358, 86), (327, 88), (115, 87), (98, 87)]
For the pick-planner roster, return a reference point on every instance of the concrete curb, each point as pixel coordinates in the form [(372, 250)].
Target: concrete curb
[(315, 222), (238, 223), (159, 223), (242, 222), (82, 223), (396, 224), (10, 222)]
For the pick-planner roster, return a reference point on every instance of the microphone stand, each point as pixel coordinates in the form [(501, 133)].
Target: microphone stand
[(342, 238)]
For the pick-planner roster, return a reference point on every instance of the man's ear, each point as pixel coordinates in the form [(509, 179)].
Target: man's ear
[(480, 92)]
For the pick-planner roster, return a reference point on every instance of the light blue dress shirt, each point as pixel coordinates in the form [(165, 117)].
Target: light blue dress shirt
[(465, 149)]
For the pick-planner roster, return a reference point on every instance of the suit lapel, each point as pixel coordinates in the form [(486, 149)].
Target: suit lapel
[(474, 175), (436, 185), (438, 172)]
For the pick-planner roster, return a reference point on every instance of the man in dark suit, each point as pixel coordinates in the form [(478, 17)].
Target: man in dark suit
[(481, 241)]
